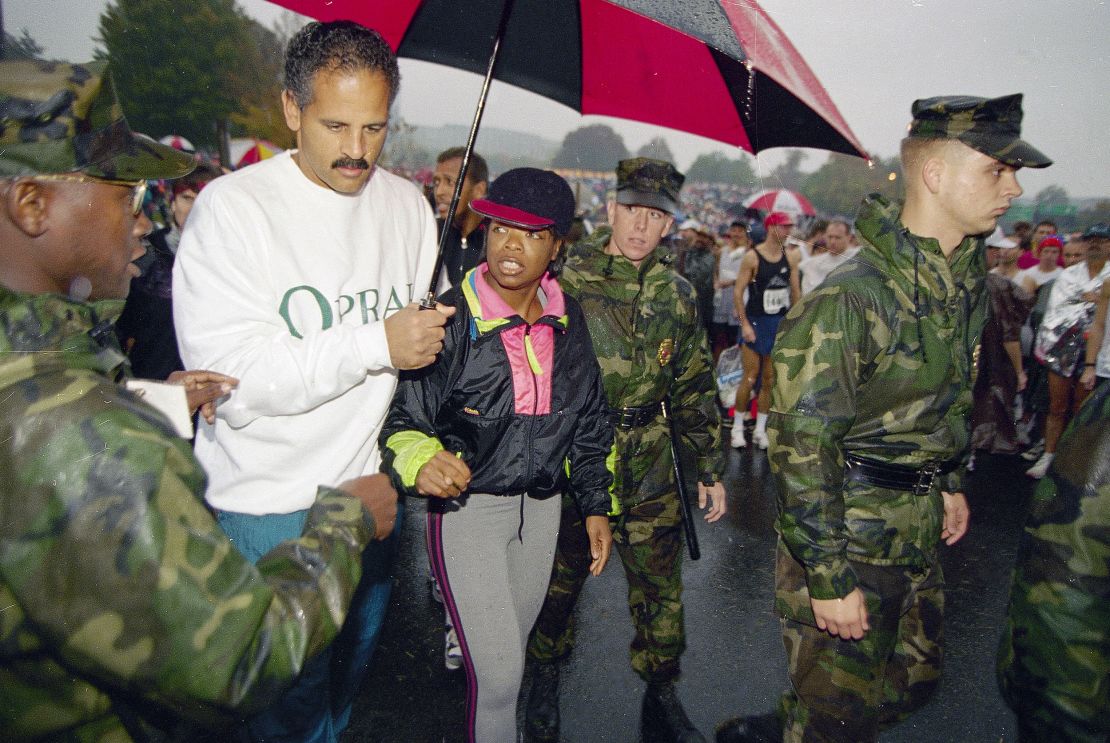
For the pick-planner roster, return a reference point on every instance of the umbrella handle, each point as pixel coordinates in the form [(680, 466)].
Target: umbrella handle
[(429, 300)]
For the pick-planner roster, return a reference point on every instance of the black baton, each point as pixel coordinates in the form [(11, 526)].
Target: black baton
[(680, 483)]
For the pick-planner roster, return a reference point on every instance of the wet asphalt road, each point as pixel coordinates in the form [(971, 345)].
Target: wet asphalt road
[(734, 663)]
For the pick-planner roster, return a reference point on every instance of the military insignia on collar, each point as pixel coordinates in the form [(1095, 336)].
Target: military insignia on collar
[(666, 350)]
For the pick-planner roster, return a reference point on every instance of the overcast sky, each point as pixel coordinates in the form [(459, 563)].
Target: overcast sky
[(873, 56)]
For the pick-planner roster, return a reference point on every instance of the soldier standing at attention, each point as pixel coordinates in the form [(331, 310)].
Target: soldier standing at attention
[(646, 333), (127, 613), (869, 429)]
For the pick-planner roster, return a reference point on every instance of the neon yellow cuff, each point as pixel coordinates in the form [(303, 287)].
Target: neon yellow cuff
[(411, 451), (611, 465)]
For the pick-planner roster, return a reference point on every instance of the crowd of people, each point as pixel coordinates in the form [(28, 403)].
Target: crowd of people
[(155, 587)]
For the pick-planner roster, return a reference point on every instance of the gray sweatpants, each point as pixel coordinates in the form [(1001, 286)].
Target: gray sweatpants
[(492, 556)]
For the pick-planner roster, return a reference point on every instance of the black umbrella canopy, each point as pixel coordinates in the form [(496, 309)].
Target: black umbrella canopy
[(546, 50)]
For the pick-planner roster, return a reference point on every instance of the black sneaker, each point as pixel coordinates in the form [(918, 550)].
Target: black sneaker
[(662, 718), (750, 729), (541, 713)]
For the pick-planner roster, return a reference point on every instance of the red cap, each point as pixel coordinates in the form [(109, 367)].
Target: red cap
[(511, 215), (1050, 240), (776, 218)]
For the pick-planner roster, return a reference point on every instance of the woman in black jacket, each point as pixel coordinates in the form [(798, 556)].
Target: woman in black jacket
[(510, 415)]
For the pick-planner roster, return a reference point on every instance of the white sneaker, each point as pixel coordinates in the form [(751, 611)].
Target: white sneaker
[(1034, 452), (759, 438), (1040, 469), (452, 651), (737, 439)]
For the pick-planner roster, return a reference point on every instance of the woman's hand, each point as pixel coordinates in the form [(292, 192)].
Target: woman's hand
[(601, 542), (443, 476)]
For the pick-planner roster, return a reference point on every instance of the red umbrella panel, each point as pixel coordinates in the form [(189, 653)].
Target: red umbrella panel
[(248, 151), (722, 70), (781, 200)]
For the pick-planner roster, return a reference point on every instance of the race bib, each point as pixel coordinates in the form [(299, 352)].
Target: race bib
[(776, 300)]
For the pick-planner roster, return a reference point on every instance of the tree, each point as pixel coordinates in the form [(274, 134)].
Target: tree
[(716, 167), (23, 46), (1052, 203), (656, 148), (594, 147), (1098, 212), (260, 114), (1052, 195), (402, 149), (838, 186), (181, 67), (789, 173)]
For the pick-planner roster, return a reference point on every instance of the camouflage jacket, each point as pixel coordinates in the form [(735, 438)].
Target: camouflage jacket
[(645, 330), (879, 361), (125, 613), (1054, 659)]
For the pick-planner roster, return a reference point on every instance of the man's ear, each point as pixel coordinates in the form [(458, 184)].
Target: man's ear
[(669, 225), (27, 203), (480, 190), (932, 173), (558, 258), (291, 110)]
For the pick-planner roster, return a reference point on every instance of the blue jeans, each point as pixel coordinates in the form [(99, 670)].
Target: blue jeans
[(317, 707)]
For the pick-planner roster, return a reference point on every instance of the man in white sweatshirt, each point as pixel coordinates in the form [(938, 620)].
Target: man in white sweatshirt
[(296, 276)]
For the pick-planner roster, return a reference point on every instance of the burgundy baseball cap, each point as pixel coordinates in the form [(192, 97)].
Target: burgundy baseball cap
[(529, 198)]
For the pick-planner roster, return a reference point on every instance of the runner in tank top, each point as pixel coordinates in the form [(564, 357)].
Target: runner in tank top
[(770, 275)]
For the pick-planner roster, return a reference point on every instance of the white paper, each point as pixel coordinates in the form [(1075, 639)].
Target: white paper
[(169, 400)]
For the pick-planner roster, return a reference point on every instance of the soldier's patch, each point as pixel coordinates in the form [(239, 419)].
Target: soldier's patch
[(666, 350)]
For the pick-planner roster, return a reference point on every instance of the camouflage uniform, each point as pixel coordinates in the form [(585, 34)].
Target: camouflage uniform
[(878, 362), (125, 613), (1054, 660), (646, 333), (125, 607)]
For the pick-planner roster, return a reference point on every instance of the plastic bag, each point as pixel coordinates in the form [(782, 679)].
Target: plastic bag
[(1062, 346), (730, 370)]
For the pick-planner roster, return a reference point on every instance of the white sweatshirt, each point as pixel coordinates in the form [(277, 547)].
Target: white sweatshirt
[(284, 284)]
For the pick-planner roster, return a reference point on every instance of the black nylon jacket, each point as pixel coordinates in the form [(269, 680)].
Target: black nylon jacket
[(466, 400)]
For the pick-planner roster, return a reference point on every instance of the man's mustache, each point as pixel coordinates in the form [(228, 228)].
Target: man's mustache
[(346, 162)]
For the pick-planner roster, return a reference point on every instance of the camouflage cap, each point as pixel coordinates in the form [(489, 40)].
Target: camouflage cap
[(65, 118), (990, 125), (649, 182)]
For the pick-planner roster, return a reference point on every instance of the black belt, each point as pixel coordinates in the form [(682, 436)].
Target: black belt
[(634, 417), (916, 480)]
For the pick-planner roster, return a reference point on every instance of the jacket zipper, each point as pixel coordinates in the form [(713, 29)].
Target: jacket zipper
[(531, 421)]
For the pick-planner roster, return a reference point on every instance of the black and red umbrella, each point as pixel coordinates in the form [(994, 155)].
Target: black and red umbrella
[(716, 68)]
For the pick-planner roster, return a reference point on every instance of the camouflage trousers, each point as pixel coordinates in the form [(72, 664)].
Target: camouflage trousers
[(849, 690), (652, 559)]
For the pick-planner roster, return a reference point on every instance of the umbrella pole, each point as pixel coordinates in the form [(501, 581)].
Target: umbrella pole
[(429, 300)]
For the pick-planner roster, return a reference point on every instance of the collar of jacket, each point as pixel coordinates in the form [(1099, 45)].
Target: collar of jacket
[(38, 326), (916, 262), (594, 264), (481, 325)]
